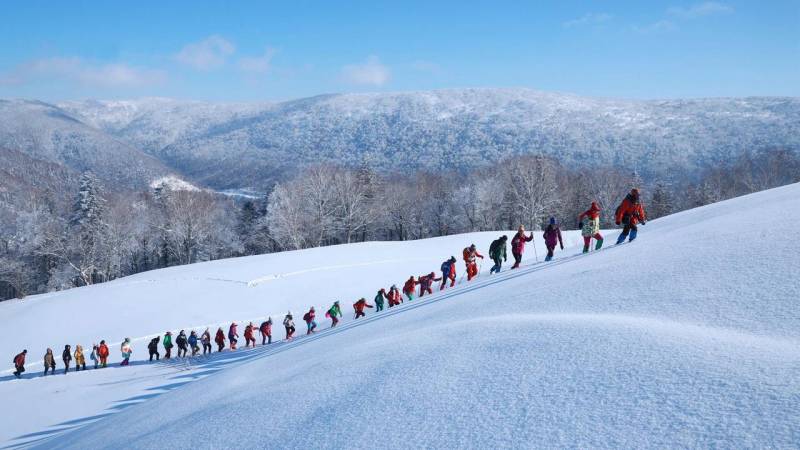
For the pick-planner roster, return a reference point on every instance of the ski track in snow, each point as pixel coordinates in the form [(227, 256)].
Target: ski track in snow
[(273, 277)]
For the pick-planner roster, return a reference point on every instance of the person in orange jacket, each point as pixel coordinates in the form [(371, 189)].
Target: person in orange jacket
[(470, 259), (425, 283), (393, 296), (410, 288), (219, 338), (102, 353), (629, 213), (248, 336), (359, 307)]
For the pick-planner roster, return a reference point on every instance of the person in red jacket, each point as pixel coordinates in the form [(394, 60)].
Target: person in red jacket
[(220, 339), (359, 307), (470, 259), (425, 283), (248, 336), (410, 288), (102, 353), (518, 245), (393, 296), (266, 331), (629, 213), (19, 363)]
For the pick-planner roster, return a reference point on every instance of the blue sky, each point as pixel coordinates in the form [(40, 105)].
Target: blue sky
[(248, 51)]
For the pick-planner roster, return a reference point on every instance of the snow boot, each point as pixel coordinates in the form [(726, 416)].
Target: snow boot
[(633, 235), (586, 248), (599, 244)]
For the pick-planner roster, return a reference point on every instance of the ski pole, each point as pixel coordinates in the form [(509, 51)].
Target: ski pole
[(535, 253)]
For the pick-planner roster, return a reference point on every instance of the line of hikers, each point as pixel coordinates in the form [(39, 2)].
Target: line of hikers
[(629, 214)]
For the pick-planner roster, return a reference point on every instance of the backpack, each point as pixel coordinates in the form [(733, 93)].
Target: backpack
[(307, 317), (494, 249), (446, 268)]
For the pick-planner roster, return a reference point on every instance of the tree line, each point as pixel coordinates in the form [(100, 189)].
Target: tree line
[(99, 234)]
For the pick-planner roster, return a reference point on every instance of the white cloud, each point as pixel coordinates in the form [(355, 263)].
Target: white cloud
[(371, 72), (427, 66), (660, 26), (699, 10), (257, 64), (77, 70), (588, 19), (210, 53)]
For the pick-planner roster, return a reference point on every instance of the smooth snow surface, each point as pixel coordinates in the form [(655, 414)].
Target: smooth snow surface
[(688, 337)]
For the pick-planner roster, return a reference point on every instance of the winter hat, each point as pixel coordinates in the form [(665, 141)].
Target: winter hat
[(25, 351), (504, 238), (312, 308), (522, 228), (594, 206), (635, 192), (453, 258), (473, 247), (552, 221)]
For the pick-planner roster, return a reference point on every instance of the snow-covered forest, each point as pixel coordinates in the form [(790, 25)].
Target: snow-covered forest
[(54, 239)]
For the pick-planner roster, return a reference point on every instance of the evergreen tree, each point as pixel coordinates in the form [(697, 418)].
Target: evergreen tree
[(661, 202)]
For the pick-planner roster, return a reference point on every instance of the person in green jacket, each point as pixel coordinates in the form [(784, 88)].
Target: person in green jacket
[(379, 300), (334, 313), (497, 251), (167, 344)]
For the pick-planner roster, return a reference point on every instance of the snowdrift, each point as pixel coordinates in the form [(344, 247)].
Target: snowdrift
[(689, 337)]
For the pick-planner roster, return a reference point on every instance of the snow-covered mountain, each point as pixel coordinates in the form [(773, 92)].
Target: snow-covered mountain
[(238, 145), (688, 337)]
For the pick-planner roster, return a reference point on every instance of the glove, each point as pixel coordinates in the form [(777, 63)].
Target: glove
[(562, 247), (617, 223), (644, 223), (580, 224)]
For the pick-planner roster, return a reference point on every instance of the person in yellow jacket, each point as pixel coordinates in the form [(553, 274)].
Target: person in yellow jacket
[(80, 360)]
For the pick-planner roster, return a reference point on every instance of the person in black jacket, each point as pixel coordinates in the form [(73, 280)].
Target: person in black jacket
[(66, 356), (183, 344), (152, 347)]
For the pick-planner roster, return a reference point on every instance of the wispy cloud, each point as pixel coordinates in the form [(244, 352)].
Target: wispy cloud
[(257, 65), (660, 26), (371, 72), (210, 53), (699, 10), (427, 66), (588, 19), (75, 69)]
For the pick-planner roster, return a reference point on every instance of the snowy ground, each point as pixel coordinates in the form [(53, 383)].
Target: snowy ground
[(690, 337)]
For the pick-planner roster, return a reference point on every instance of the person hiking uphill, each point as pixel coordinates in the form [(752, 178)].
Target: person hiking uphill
[(49, 362), (518, 245), (334, 313), (193, 343), (448, 272), (233, 335), (127, 350), (288, 324), (410, 288), (19, 363), (80, 359), (93, 356), (219, 339), (266, 331), (425, 283), (359, 307), (629, 213), (379, 297), (589, 223), (393, 296), (497, 251), (470, 259), (152, 348), (248, 335), (552, 236), (66, 356), (205, 339), (167, 345), (182, 344), (102, 353), (311, 324)]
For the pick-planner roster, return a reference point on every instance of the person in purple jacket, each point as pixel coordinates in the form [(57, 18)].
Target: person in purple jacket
[(552, 236)]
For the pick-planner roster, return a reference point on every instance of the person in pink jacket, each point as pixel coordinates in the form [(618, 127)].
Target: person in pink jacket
[(518, 245)]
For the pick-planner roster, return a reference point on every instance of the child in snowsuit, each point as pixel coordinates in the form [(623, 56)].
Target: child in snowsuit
[(220, 339), (410, 288), (308, 317), (80, 360), (448, 272), (497, 251), (589, 223), (152, 348), (629, 213), (394, 296), (93, 355), (102, 353), (233, 335), (248, 336), (183, 345), (288, 324), (126, 351), (49, 362), (193, 343), (167, 345), (470, 255), (425, 283), (518, 245), (379, 300), (334, 313), (66, 356), (19, 363), (205, 339), (266, 331), (359, 307), (552, 236)]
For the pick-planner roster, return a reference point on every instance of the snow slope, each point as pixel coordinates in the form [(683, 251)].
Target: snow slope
[(687, 338)]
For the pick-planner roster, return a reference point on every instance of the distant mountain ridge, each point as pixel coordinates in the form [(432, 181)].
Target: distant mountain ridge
[(239, 145)]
